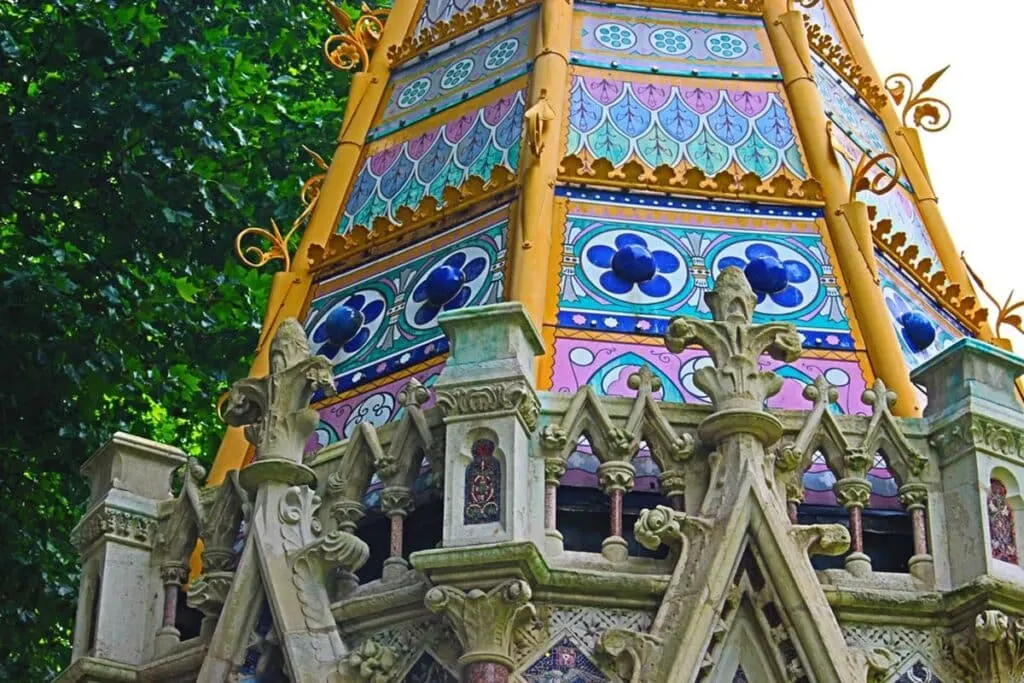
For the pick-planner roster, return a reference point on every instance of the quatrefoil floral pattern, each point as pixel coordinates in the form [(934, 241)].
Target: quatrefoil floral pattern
[(634, 267), (784, 280)]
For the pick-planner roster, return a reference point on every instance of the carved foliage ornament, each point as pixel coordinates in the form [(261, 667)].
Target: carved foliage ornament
[(485, 623), (735, 345), (119, 524), (973, 431), (516, 397), (920, 110), (993, 650)]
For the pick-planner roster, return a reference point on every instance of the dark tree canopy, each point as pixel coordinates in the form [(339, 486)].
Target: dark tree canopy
[(136, 139)]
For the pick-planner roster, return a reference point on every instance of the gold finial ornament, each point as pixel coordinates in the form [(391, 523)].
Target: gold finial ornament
[(927, 112), (1006, 314), (350, 49), (255, 256)]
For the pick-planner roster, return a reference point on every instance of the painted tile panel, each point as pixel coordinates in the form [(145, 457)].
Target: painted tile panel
[(425, 88), (688, 242), (904, 299), (382, 317), (433, 12), (849, 113), (401, 170), (713, 125), (375, 405), (820, 15), (675, 43)]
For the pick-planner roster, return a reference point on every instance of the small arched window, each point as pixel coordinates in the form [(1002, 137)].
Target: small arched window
[(1001, 526), (482, 503)]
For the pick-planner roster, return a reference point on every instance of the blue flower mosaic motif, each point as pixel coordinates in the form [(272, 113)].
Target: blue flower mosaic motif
[(770, 276), (347, 327), (447, 286), (633, 264), (726, 45)]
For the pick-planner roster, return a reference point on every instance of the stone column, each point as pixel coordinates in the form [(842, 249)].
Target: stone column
[(173, 575), (976, 425), (615, 478), (485, 625), (486, 393), (854, 494), (395, 503), (124, 599), (915, 498)]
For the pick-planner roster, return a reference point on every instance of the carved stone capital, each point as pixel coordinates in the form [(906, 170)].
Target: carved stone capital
[(975, 432), (371, 663), (274, 410), (914, 496), (209, 592), (173, 573), (485, 623), (347, 513), (514, 397), (395, 500), (993, 650), (115, 524), (616, 475), (673, 483), (852, 492), (554, 468), (634, 654), (662, 524), (821, 539), (736, 381)]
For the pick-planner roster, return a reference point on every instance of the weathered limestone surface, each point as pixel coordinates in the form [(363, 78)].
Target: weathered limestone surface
[(501, 599)]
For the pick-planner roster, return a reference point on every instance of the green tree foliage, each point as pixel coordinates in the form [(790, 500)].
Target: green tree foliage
[(136, 139)]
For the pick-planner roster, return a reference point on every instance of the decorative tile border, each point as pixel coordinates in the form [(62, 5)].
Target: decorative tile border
[(669, 42), (454, 76)]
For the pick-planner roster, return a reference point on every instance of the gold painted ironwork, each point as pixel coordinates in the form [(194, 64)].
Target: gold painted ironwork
[(963, 307), (844, 64), (882, 181), (256, 256), (350, 49), (808, 4), (1007, 313), (926, 111), (782, 188)]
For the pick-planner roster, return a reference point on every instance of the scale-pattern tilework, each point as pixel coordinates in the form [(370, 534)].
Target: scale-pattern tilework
[(426, 88), (708, 124), (674, 43), (400, 173)]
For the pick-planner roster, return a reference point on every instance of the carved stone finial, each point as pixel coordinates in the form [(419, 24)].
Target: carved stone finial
[(644, 381), (736, 382), (274, 410), (485, 623), (879, 397), (413, 394)]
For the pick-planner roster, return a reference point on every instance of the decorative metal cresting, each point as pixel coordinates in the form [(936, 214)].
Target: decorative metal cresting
[(256, 256), (925, 111), (350, 49), (1006, 313)]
